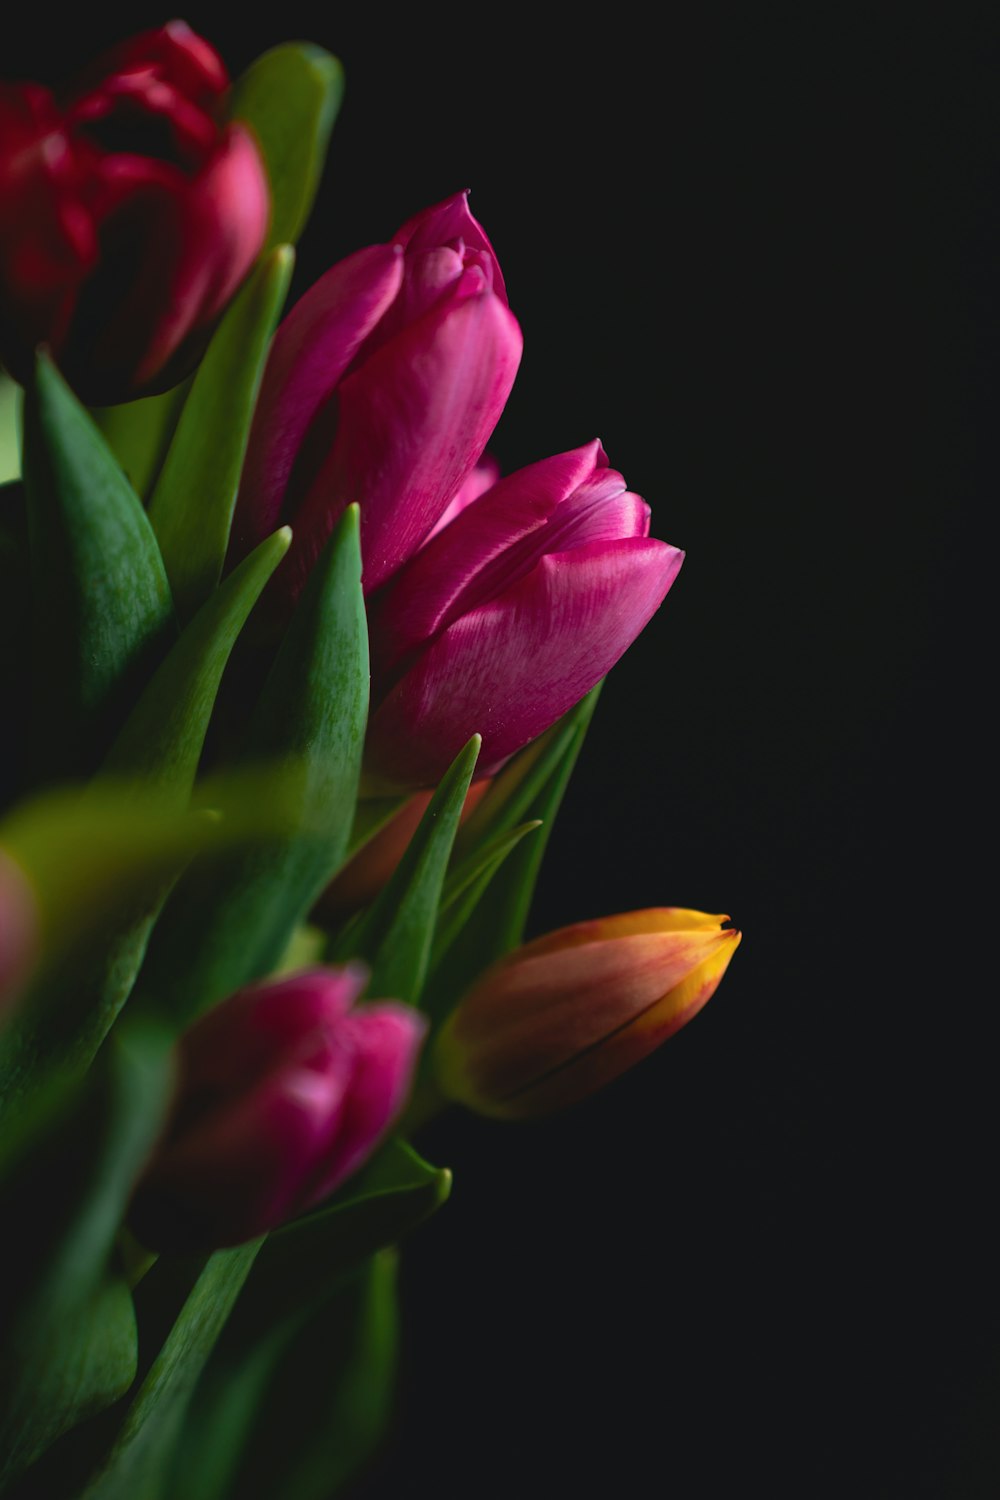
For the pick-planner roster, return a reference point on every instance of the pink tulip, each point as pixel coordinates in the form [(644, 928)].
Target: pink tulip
[(128, 216), (285, 1090), (383, 386), (510, 614), (18, 930), (564, 1015)]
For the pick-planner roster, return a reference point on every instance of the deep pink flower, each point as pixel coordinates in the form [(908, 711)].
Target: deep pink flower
[(509, 614), (128, 216), (285, 1090), (383, 386)]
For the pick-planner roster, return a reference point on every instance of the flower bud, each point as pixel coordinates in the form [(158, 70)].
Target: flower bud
[(562, 1016), (509, 614), (128, 216), (383, 386), (284, 1090)]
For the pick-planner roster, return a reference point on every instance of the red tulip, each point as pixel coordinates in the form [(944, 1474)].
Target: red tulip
[(128, 216), (562, 1016), (285, 1090), (508, 615), (383, 386)]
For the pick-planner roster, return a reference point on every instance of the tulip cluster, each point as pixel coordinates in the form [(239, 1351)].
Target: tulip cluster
[(338, 606), (128, 215)]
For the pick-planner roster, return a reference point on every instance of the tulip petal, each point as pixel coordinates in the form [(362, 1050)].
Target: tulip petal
[(237, 1171), (637, 1039), (544, 1028), (311, 350), (474, 558), (509, 669), (413, 420), (626, 924), (386, 1039), (445, 223)]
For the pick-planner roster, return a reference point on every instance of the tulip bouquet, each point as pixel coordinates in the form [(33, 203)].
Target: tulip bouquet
[(302, 686)]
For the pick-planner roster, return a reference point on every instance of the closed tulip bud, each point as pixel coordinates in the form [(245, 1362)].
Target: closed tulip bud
[(18, 930), (383, 386), (284, 1090), (128, 216), (564, 1015), (510, 614)]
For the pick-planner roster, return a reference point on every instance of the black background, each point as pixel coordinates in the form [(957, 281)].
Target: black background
[(755, 252)]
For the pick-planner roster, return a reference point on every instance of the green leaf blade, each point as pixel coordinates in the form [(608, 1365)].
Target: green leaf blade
[(191, 509), (290, 98), (102, 606)]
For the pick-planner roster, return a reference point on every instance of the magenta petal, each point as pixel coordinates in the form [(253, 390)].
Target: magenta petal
[(475, 557), (445, 223), (239, 1171), (311, 350), (386, 1039), (509, 669), (252, 1031), (413, 420), (483, 477)]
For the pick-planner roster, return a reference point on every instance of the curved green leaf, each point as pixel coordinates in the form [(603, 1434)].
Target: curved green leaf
[(395, 934), (192, 506), (231, 921), (103, 615), (290, 97)]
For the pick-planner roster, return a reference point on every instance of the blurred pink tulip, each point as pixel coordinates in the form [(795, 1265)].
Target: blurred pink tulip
[(562, 1016), (285, 1090), (18, 930), (508, 615), (383, 386), (128, 216)]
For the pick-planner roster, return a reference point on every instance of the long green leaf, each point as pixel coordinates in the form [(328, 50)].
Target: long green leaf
[(103, 616), (300, 1414), (139, 432), (290, 97), (496, 923), (135, 1466), (395, 934), (70, 1339), (192, 506), (230, 921)]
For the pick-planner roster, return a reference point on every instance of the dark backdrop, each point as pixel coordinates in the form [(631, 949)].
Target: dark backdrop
[(755, 253)]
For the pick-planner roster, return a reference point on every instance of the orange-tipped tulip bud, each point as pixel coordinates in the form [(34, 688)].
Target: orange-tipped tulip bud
[(564, 1015)]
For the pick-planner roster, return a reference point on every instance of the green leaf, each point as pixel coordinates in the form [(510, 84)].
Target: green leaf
[(300, 1263), (139, 432), (135, 1466), (10, 433), (495, 924), (231, 921), (160, 747), (102, 608), (192, 506), (70, 1347), (301, 1414), (394, 935), (289, 98), (163, 737)]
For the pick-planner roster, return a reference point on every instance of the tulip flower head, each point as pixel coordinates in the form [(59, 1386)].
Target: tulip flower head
[(509, 614), (383, 386), (285, 1089), (562, 1016), (128, 216)]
